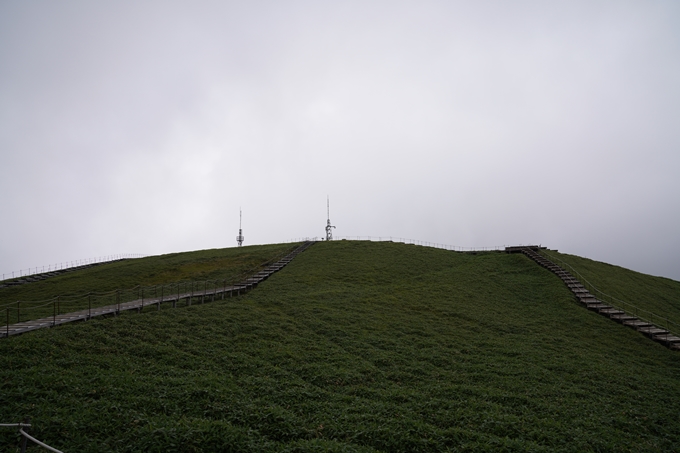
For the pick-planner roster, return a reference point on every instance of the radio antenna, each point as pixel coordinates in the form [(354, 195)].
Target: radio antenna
[(240, 238), (329, 227)]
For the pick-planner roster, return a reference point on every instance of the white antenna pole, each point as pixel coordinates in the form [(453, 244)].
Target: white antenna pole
[(329, 227), (240, 238)]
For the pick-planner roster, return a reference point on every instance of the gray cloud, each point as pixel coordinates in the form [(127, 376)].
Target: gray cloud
[(143, 127)]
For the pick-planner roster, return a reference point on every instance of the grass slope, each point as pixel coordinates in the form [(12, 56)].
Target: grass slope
[(354, 346), (654, 294), (228, 264)]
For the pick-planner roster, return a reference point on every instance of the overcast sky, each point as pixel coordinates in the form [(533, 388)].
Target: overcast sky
[(142, 127)]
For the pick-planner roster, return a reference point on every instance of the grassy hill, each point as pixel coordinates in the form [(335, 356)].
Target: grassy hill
[(355, 346)]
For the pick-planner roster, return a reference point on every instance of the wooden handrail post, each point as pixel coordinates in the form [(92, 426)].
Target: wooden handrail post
[(54, 312), (18, 311), (89, 306), (7, 315), (161, 301)]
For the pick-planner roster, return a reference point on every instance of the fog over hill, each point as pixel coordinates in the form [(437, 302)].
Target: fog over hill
[(142, 127)]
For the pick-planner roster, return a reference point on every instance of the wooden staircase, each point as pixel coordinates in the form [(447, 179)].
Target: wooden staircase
[(115, 309), (591, 302)]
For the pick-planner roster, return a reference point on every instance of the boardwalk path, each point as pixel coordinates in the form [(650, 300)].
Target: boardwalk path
[(211, 294), (652, 331)]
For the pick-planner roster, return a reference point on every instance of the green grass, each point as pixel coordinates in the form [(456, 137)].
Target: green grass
[(134, 278), (354, 346), (657, 295)]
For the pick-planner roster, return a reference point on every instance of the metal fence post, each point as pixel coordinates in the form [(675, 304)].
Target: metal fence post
[(24, 439)]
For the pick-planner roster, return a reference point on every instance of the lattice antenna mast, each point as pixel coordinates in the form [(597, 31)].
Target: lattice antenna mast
[(329, 227), (240, 238)]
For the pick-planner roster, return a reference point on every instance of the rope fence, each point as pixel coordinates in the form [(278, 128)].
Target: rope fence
[(67, 265), (455, 248), (26, 437), (31, 271)]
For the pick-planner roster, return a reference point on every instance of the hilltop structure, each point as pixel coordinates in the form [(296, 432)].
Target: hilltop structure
[(239, 238), (329, 227)]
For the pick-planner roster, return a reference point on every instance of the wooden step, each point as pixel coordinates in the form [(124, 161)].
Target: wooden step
[(622, 318), (652, 330), (636, 324), (589, 299), (612, 312), (669, 338)]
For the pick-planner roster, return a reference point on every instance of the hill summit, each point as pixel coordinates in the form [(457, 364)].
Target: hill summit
[(354, 346)]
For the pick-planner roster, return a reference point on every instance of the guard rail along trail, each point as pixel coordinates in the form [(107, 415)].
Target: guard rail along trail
[(657, 327), (454, 248), (25, 316), (34, 274), (25, 437)]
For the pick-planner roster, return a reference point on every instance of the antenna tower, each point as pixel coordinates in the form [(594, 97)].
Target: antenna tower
[(329, 227), (239, 238)]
